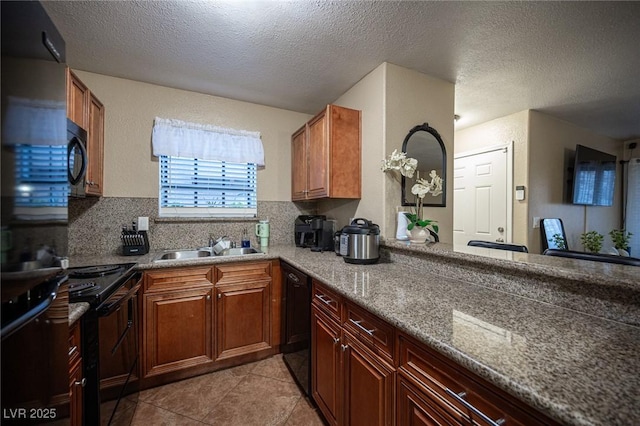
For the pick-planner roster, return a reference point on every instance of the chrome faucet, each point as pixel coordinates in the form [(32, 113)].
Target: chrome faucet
[(212, 240)]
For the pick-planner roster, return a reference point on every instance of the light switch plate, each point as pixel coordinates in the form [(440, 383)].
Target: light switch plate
[(536, 222)]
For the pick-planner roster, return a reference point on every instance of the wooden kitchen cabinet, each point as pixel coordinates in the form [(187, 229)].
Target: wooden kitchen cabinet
[(86, 110), (243, 309), (95, 147), (368, 385), (177, 320), (353, 377), (427, 381), (326, 156), (78, 96), (299, 173), (326, 373), (414, 407), (76, 376)]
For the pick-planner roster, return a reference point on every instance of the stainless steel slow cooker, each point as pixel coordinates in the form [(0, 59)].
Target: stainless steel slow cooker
[(360, 242)]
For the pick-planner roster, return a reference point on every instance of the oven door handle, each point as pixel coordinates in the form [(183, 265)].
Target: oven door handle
[(110, 308), (122, 336)]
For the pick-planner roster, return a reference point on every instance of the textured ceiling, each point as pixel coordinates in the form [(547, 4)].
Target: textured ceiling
[(579, 61)]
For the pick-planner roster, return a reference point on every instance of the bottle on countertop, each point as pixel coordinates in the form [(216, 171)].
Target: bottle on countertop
[(246, 242)]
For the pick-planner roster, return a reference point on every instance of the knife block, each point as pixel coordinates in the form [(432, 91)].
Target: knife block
[(135, 243)]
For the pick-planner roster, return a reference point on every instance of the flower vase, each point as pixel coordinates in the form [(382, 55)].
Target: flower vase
[(419, 235)]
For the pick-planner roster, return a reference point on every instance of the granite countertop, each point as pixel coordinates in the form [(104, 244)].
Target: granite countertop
[(76, 311), (577, 368)]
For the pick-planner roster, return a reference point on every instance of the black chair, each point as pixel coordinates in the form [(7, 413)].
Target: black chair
[(596, 257), (499, 246), (549, 228)]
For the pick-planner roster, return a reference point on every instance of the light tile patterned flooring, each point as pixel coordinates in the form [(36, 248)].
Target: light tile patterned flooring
[(261, 393)]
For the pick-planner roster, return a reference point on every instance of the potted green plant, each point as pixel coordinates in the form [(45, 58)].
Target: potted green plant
[(559, 241), (592, 241), (620, 239)]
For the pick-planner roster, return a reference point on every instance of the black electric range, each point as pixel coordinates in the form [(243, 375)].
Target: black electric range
[(111, 291), (94, 284)]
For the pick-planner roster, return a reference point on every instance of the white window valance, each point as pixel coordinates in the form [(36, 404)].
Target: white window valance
[(191, 140)]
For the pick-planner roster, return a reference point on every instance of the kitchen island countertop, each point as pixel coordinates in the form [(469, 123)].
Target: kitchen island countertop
[(577, 368)]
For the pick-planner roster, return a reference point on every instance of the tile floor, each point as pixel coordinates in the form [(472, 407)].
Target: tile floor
[(260, 393)]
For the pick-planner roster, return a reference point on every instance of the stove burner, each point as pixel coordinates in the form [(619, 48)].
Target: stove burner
[(82, 286), (94, 271)]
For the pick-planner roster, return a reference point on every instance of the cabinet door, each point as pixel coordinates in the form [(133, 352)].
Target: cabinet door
[(243, 318), (325, 365), (76, 394), (95, 147), (368, 386), (318, 152), (416, 408), (77, 100), (177, 330), (299, 165)]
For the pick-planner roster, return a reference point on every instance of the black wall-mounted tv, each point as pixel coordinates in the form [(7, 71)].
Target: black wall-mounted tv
[(594, 177)]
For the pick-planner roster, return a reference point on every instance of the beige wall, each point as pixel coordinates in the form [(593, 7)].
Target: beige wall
[(131, 106), (413, 98), (512, 128), (393, 100), (551, 142)]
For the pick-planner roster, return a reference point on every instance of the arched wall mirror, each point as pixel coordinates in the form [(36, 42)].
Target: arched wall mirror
[(424, 143)]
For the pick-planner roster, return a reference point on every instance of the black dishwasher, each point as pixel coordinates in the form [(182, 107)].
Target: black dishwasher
[(297, 325)]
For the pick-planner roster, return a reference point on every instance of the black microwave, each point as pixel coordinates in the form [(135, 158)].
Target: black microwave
[(77, 152)]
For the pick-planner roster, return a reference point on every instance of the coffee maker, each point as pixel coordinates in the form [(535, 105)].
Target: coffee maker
[(315, 232)]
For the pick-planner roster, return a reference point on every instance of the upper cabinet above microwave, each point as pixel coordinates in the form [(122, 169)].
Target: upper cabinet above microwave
[(86, 110), (326, 156)]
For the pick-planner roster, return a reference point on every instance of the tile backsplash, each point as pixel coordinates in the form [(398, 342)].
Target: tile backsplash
[(95, 225)]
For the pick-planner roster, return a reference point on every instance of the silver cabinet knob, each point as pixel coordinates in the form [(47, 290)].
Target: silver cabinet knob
[(81, 382), (208, 297), (500, 229), (336, 340), (500, 240)]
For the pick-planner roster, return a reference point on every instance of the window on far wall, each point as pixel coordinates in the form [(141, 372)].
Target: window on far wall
[(191, 187)]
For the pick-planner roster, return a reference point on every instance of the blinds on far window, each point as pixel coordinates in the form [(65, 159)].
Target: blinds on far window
[(201, 188)]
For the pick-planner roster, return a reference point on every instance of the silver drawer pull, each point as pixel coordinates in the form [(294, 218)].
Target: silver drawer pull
[(81, 382), (357, 324), (460, 398), (336, 340), (322, 298)]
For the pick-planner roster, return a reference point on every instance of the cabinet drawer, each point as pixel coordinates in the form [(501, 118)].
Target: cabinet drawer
[(441, 378), (177, 279), (370, 330), (328, 301), (242, 272)]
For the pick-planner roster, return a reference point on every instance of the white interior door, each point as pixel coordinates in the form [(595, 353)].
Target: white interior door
[(480, 195)]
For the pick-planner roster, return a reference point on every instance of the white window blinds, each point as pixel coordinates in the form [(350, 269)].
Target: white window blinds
[(192, 187), (206, 171)]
